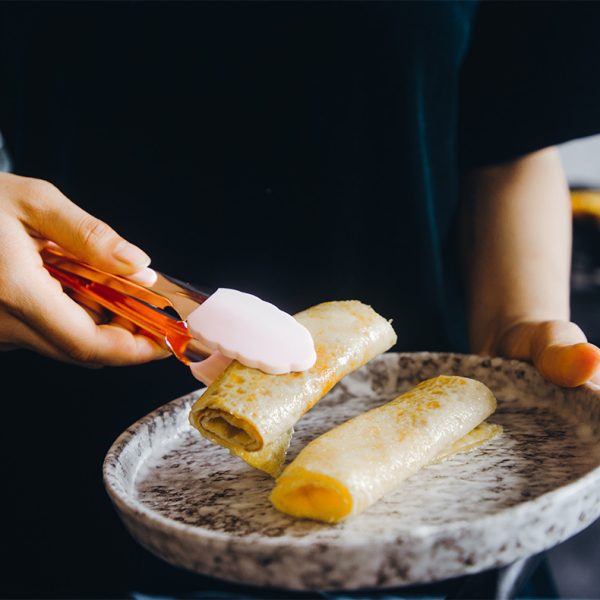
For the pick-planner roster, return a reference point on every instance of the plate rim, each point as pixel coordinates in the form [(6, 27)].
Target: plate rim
[(155, 520)]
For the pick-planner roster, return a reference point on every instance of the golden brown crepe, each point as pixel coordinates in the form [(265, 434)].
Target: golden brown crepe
[(253, 414), (350, 467), (481, 434)]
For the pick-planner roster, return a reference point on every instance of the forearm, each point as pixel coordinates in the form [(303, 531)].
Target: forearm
[(516, 232)]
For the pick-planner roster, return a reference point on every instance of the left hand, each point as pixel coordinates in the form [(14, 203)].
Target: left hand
[(516, 245), (559, 350)]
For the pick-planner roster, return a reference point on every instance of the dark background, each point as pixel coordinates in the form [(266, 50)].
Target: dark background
[(294, 174), (215, 134), (241, 146)]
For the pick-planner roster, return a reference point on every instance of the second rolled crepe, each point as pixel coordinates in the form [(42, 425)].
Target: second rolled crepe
[(351, 466), (253, 414)]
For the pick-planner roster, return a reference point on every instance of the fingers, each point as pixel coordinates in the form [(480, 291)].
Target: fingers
[(97, 312), (559, 349), (570, 366), (53, 216), (145, 277), (23, 336), (37, 299), (34, 311), (135, 348)]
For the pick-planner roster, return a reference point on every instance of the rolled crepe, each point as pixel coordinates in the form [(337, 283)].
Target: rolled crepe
[(481, 434), (253, 414), (353, 465)]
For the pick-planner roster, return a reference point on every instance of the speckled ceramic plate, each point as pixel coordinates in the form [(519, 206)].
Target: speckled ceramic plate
[(192, 504)]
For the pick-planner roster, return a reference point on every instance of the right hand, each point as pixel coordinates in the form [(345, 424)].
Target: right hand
[(35, 312)]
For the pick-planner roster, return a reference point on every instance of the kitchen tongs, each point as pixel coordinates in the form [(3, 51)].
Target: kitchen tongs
[(160, 309)]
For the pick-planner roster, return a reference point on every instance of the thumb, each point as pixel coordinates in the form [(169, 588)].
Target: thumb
[(559, 350), (53, 216)]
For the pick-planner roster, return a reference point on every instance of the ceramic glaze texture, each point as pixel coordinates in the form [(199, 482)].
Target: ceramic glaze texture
[(194, 505)]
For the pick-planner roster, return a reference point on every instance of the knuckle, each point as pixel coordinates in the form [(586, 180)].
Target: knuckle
[(93, 231), (126, 350), (80, 352), (37, 195), (36, 189), (15, 297)]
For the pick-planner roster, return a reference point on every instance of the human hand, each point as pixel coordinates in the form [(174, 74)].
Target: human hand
[(559, 350), (516, 245), (35, 312)]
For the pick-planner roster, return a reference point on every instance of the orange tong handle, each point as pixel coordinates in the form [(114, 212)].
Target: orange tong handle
[(173, 332), (72, 265)]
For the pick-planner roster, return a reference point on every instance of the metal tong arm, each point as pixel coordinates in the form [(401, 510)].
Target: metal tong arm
[(127, 299), (165, 292)]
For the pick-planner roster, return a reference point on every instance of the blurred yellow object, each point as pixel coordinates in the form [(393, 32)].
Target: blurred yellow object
[(586, 203)]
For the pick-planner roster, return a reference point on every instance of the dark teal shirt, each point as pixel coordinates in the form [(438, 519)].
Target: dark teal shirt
[(301, 151)]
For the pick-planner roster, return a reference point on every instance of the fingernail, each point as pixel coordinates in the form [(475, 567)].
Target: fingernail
[(130, 254), (145, 277)]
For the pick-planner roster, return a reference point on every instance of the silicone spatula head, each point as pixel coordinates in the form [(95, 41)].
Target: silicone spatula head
[(252, 331)]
